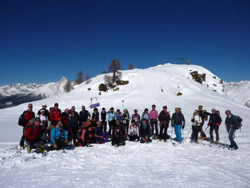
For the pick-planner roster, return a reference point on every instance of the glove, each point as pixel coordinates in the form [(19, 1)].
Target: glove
[(208, 124), (183, 126), (217, 124)]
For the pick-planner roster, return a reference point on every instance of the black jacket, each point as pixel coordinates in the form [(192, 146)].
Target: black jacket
[(164, 116), (214, 119), (84, 115), (232, 121), (103, 116), (144, 130), (178, 119), (73, 121)]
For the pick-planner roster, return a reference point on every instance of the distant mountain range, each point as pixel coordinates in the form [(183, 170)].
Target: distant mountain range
[(238, 91), (12, 95)]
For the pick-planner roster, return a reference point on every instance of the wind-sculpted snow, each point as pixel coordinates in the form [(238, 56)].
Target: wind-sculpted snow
[(157, 164)]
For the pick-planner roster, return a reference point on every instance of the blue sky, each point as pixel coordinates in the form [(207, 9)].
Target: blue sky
[(41, 41)]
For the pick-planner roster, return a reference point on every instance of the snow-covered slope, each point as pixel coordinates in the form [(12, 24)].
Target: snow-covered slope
[(11, 95), (157, 164), (238, 91)]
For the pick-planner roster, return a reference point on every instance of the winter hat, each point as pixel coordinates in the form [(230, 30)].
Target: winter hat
[(42, 111), (30, 105)]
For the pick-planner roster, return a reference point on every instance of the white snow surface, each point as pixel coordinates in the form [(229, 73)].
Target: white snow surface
[(238, 91), (156, 164)]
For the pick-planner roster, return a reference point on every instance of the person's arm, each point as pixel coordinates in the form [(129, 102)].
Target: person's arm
[(183, 121)]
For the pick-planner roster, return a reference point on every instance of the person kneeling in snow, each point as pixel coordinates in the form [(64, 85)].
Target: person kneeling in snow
[(133, 132), (145, 132), (101, 137), (88, 134), (33, 133), (118, 136), (58, 136)]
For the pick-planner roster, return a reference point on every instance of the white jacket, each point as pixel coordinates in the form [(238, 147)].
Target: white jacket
[(197, 120), (133, 130)]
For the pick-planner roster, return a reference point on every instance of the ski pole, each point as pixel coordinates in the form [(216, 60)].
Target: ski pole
[(188, 133), (206, 128), (171, 133)]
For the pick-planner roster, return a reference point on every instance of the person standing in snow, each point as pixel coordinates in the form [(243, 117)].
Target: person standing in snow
[(46, 112), (204, 114), (103, 118), (136, 117), (196, 123), (232, 124), (111, 119), (73, 127), (26, 116), (153, 115), (214, 123), (55, 114), (145, 115), (125, 120), (164, 118), (95, 117), (84, 115), (178, 122)]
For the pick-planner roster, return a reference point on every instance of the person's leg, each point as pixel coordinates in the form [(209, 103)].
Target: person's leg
[(179, 133), (161, 129), (176, 131), (231, 138), (211, 133), (196, 130), (75, 136), (217, 134), (156, 127), (22, 139), (152, 127)]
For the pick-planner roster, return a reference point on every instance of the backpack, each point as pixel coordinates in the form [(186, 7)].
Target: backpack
[(21, 120), (239, 120), (218, 112), (28, 126)]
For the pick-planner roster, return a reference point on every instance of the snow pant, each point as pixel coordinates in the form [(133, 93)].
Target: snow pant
[(133, 137), (60, 143), (212, 128), (111, 127), (201, 130), (104, 126), (154, 125), (117, 141), (163, 129), (22, 139), (231, 132), (70, 135), (177, 129), (142, 141), (105, 136), (195, 130), (74, 134)]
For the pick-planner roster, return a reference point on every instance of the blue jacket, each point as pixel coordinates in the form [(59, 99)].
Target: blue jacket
[(56, 133), (112, 116)]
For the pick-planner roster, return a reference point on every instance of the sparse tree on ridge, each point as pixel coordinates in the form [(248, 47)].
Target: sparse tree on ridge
[(79, 78), (68, 86), (131, 66), (114, 67), (87, 78)]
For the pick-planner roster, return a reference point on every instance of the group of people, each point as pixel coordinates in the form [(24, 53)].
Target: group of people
[(59, 129)]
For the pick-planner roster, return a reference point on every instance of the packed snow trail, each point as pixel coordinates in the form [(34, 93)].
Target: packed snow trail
[(157, 164)]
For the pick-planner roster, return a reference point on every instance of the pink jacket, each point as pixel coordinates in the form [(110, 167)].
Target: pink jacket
[(153, 114)]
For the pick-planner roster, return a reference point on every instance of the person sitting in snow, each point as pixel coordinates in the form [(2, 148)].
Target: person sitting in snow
[(133, 132), (58, 136), (118, 136), (88, 136), (144, 132), (101, 137)]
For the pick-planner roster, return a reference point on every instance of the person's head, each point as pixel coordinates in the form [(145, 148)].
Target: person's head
[(228, 112), (200, 107), (98, 124), (153, 106), (37, 121), (56, 105), (118, 111), (196, 112), (146, 110), (44, 106), (73, 113), (83, 108), (133, 122), (103, 109), (117, 122), (125, 110), (135, 111), (177, 110), (42, 112), (66, 110), (30, 106), (144, 122), (73, 108), (95, 110), (59, 124), (111, 109), (165, 108), (213, 111)]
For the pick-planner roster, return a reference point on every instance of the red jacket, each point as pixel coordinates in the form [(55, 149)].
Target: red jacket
[(28, 115), (55, 115), (32, 132)]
